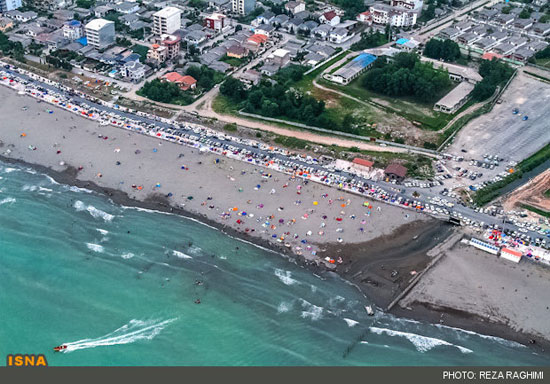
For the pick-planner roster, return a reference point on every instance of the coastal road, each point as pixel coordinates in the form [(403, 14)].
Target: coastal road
[(419, 194)]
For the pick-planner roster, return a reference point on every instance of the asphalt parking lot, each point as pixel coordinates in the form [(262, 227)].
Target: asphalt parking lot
[(505, 134)]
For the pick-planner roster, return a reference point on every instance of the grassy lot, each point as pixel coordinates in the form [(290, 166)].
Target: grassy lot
[(140, 50), (409, 108), (233, 61), (543, 63), (306, 83), (494, 190)]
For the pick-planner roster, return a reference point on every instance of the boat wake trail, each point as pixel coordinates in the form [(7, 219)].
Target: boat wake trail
[(134, 331)]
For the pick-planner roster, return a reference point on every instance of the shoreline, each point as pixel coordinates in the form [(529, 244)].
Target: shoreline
[(464, 321)]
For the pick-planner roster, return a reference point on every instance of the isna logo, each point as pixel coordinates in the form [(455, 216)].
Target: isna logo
[(26, 360)]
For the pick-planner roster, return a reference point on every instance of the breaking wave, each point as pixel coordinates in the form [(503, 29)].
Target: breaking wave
[(8, 200), (311, 311), (285, 277), (284, 307), (421, 343), (127, 255), (96, 213), (95, 247), (350, 322)]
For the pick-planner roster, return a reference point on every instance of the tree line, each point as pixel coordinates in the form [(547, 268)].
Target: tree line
[(495, 73), (279, 100), (446, 50), (406, 75)]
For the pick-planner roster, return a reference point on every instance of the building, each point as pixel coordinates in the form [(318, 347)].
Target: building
[(172, 44), (351, 70), (256, 41), (242, 7), (167, 20), (265, 29), (384, 14), (364, 17), (157, 54), (250, 77), (395, 172), (541, 29), (484, 246), (237, 51), (295, 7), (127, 7), (100, 33), (407, 4), (215, 22), (330, 18), (9, 5), (511, 255), (133, 71), (456, 72), (5, 24), (361, 165), (22, 17), (454, 100), (280, 57), (184, 82), (265, 18), (72, 30)]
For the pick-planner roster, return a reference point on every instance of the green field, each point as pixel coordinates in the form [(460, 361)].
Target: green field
[(409, 108)]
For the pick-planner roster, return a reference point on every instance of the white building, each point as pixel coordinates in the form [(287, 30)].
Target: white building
[(72, 29), (167, 20), (242, 7), (295, 7), (100, 33), (395, 16), (133, 71), (9, 5)]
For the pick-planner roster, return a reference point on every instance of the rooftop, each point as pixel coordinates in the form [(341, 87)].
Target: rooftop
[(98, 23), (167, 12), (456, 95)]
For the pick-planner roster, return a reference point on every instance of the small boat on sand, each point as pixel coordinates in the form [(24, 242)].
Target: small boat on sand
[(59, 348), (369, 310)]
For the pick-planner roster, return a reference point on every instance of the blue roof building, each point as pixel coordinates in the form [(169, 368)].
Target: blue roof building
[(354, 68)]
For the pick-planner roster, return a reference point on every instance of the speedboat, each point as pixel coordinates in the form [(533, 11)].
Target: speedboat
[(369, 310), (59, 348)]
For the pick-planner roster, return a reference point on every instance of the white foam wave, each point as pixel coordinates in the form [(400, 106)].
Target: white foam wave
[(10, 170), (487, 337), (42, 189), (350, 322), (194, 250), (8, 200), (285, 277), (134, 331), (127, 255), (284, 307), (102, 231), (77, 189), (421, 343), (95, 247), (29, 188), (312, 311), (181, 255), (96, 213)]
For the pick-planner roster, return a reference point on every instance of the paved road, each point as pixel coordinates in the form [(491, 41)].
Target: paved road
[(424, 194)]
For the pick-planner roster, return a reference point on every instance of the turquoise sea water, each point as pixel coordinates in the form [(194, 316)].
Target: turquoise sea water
[(117, 285)]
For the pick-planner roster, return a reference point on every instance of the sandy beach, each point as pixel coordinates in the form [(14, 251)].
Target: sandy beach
[(488, 294), (304, 216)]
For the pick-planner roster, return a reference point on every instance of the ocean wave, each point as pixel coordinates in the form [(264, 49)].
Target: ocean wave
[(8, 200), (127, 255), (42, 189), (95, 247), (96, 213), (421, 343), (181, 255), (350, 322), (194, 250), (76, 189), (499, 340), (312, 311), (29, 188), (134, 331), (102, 231), (285, 277), (10, 170), (284, 307)]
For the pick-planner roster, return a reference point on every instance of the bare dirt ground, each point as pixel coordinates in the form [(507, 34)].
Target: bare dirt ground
[(532, 193)]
